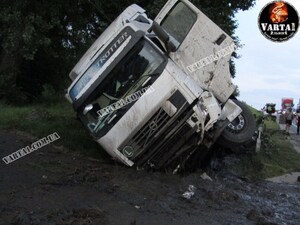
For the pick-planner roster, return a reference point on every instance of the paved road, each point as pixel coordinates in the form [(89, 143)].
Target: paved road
[(295, 139), (282, 125), (294, 127)]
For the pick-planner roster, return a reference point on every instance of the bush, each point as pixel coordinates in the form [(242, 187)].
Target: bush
[(49, 94)]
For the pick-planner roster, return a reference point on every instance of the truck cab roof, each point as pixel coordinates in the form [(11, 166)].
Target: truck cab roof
[(130, 14)]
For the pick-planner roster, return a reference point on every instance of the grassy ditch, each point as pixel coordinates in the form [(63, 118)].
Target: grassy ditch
[(276, 157), (42, 120)]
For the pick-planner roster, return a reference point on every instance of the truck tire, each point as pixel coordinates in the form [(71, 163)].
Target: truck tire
[(240, 130)]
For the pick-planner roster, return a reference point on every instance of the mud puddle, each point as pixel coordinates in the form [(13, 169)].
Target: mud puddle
[(54, 186)]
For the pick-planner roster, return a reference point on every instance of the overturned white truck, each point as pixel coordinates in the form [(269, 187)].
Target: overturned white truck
[(159, 93)]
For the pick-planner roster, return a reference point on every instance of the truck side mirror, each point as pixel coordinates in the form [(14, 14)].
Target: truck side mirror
[(163, 36)]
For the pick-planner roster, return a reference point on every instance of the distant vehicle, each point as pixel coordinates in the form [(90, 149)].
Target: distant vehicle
[(269, 109), (286, 103)]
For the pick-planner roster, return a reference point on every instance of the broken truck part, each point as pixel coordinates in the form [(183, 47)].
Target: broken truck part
[(181, 56)]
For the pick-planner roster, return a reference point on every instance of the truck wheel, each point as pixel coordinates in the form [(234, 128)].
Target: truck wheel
[(240, 130)]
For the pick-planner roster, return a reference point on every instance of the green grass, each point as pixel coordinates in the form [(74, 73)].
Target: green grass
[(254, 111), (277, 155), (42, 120)]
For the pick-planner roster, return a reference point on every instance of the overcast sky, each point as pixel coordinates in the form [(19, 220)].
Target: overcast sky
[(267, 71)]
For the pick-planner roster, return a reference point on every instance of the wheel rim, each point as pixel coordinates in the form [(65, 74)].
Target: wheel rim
[(237, 124)]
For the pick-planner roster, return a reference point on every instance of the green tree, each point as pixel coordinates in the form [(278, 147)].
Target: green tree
[(39, 41)]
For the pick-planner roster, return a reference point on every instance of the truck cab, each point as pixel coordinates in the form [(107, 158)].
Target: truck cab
[(155, 93)]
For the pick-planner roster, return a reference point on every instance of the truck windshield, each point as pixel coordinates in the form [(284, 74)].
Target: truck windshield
[(136, 70)]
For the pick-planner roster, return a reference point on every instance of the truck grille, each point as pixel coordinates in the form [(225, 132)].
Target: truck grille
[(142, 138), (156, 139)]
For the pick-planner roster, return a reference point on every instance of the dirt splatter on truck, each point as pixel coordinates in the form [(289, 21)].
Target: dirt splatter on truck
[(183, 57)]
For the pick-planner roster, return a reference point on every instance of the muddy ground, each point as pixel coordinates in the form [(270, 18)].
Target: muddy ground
[(55, 186)]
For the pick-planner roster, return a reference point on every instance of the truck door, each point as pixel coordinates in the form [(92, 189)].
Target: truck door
[(202, 49)]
